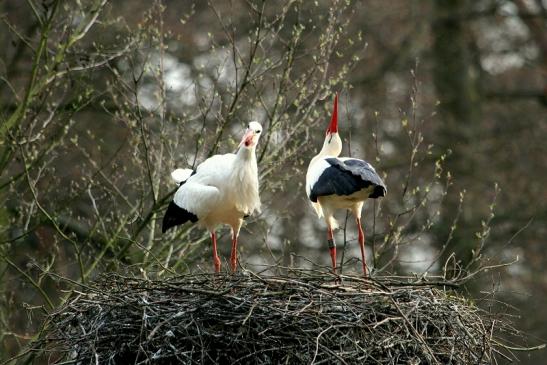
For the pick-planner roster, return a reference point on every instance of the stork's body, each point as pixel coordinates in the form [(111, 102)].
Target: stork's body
[(334, 183), (222, 190)]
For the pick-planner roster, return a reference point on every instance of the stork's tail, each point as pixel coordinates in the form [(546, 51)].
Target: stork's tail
[(181, 175), (175, 216)]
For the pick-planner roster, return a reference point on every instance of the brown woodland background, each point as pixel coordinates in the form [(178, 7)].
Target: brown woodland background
[(100, 100)]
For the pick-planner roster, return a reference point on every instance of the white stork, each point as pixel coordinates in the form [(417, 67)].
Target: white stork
[(334, 183), (222, 190)]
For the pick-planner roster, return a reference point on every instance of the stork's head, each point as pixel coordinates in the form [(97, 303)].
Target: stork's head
[(333, 144), (251, 136)]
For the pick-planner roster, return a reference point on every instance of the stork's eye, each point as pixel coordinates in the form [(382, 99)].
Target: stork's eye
[(258, 132)]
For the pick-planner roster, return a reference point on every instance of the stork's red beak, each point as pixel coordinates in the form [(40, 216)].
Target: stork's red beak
[(247, 139), (333, 126)]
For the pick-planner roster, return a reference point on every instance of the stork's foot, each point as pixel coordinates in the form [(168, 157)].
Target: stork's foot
[(365, 270), (216, 262), (233, 254), (216, 259), (233, 264), (333, 259)]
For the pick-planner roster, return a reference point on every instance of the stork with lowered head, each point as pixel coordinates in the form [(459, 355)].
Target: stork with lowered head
[(222, 190)]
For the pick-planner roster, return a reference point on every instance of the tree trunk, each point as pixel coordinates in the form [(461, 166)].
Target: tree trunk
[(456, 73)]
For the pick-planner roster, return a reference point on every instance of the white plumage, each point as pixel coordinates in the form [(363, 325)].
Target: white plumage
[(315, 170), (334, 183), (223, 190), (180, 175)]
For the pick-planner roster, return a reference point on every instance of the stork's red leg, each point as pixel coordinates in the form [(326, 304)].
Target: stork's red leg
[(362, 245), (233, 256), (332, 248), (216, 259)]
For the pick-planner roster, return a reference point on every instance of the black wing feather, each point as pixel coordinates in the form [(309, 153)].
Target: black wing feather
[(175, 216), (367, 173), (346, 178)]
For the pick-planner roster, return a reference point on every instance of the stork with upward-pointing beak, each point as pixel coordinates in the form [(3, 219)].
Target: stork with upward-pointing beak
[(334, 183), (222, 190)]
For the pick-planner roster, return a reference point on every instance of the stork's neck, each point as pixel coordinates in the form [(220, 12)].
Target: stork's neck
[(245, 180), (332, 146), (246, 154)]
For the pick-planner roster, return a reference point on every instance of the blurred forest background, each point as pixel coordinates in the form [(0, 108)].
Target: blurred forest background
[(100, 100)]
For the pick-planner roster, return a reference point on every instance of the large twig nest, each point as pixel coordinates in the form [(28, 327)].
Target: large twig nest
[(251, 319)]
